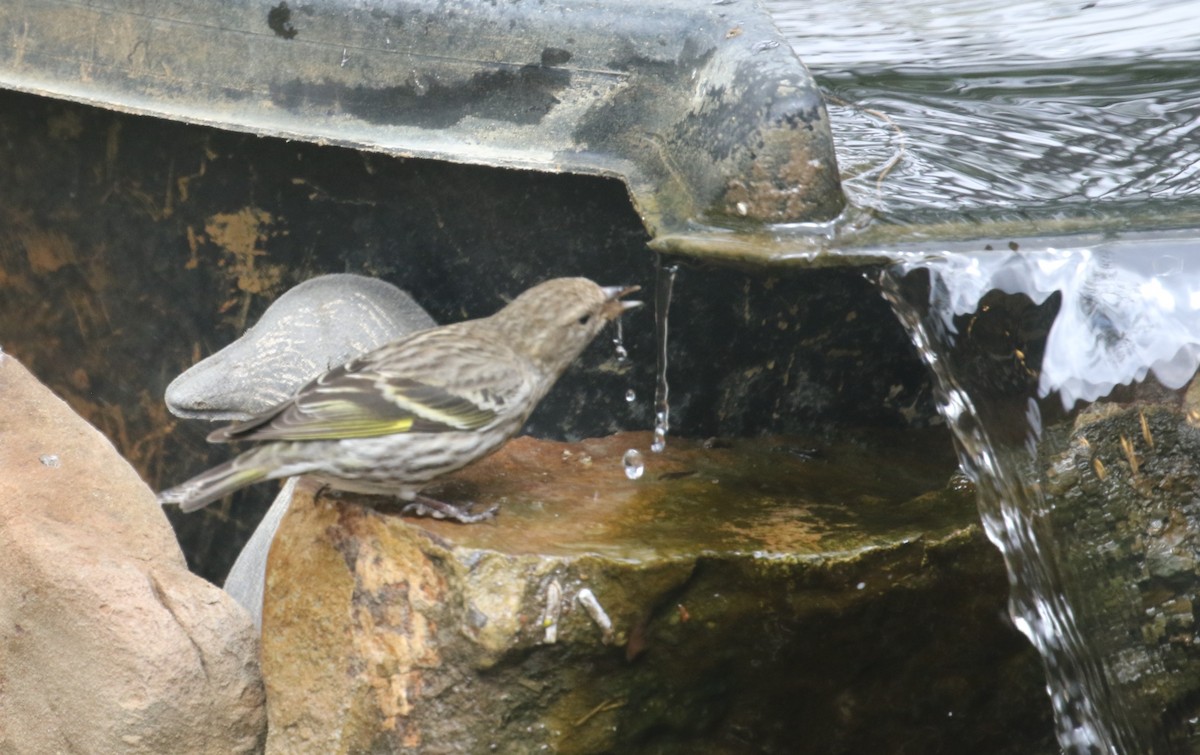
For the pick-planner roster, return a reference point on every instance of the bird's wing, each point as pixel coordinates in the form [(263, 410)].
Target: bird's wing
[(406, 387)]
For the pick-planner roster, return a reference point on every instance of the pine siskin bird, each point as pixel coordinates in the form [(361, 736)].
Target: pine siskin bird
[(395, 419)]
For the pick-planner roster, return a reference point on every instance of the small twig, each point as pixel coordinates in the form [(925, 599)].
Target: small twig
[(552, 612), (603, 707), (900, 147), (895, 159), (590, 604)]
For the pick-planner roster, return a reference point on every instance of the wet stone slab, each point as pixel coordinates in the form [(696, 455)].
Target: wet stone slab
[(776, 496), (769, 595)]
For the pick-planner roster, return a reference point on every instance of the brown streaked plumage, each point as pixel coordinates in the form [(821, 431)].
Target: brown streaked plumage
[(393, 420)]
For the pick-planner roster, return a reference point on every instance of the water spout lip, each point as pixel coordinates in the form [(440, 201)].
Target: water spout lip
[(612, 293)]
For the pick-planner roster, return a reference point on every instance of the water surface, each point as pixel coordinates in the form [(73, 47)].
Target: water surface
[(1010, 110)]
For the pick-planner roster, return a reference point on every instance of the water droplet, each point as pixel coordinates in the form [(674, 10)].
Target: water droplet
[(619, 343), (419, 86), (634, 466), (630, 395), (661, 425), (1167, 265), (659, 444)]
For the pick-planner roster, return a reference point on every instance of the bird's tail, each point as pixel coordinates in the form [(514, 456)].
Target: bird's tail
[(217, 482)]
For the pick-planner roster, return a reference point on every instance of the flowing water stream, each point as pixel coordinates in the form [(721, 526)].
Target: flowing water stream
[(1065, 366), (1061, 373)]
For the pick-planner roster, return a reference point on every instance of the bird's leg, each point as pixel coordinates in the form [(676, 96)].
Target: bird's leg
[(423, 505), (325, 488)]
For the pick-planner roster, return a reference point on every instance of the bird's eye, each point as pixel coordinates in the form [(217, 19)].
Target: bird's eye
[(585, 319)]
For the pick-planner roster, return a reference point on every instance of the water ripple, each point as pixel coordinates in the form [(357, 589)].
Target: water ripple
[(970, 108)]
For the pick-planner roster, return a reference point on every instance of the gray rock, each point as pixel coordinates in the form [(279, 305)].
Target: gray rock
[(245, 580), (314, 326)]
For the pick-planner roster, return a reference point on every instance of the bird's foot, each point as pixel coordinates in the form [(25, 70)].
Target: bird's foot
[(431, 507)]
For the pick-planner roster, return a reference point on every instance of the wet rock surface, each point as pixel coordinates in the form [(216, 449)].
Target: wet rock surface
[(777, 595), (1121, 482), (109, 643)]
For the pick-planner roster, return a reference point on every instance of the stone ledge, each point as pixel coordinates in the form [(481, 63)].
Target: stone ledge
[(760, 599)]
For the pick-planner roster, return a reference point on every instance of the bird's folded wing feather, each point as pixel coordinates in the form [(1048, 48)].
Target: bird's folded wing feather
[(412, 389)]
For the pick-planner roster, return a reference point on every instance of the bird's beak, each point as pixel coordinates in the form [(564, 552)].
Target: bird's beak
[(613, 295)]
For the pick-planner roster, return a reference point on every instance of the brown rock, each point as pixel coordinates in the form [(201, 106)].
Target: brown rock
[(757, 596), (107, 642)]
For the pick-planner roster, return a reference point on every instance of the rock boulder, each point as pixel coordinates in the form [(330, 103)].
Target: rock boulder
[(108, 644)]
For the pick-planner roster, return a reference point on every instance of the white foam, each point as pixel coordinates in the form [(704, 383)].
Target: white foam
[(1127, 309)]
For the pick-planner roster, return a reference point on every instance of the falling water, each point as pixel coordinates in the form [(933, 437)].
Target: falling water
[(1052, 369), (619, 343), (1008, 508), (633, 463), (665, 284)]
